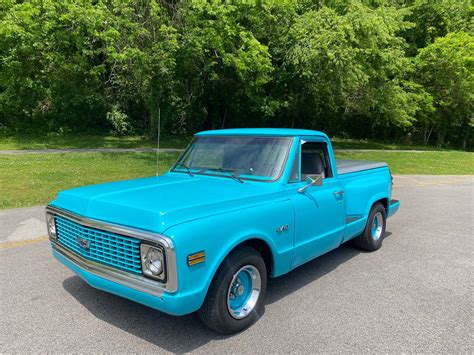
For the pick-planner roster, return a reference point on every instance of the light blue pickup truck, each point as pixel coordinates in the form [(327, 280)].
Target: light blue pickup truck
[(238, 207)]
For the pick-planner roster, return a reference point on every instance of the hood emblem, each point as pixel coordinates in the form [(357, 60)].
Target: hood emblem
[(83, 243)]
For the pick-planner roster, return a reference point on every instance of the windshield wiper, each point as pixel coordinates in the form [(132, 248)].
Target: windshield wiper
[(188, 170), (229, 171)]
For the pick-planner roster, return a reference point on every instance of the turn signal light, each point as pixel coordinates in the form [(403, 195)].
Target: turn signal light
[(196, 258)]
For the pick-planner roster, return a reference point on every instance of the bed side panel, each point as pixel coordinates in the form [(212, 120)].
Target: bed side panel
[(362, 189)]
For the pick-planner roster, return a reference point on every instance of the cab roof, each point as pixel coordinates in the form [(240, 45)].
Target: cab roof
[(269, 132)]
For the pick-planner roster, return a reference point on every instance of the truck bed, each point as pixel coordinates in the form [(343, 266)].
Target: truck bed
[(353, 166)]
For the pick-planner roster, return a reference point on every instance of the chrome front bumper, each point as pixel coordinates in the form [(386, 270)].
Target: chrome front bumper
[(123, 278)]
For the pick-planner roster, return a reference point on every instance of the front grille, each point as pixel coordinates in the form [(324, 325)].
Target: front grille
[(104, 247)]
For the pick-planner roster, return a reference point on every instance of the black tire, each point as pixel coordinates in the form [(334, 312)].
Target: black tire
[(365, 240), (214, 312)]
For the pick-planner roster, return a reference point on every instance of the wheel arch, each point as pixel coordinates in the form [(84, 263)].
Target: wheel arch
[(259, 245), (256, 242), (384, 201)]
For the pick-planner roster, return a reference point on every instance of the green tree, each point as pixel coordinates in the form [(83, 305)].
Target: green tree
[(139, 48), (436, 18), (22, 78), (360, 68), (349, 65), (223, 67), (446, 70), (68, 63)]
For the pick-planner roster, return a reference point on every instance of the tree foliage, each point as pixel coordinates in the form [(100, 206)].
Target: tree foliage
[(387, 69), (446, 70)]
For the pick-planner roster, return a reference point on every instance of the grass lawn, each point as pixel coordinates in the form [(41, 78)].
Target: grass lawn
[(34, 179), (424, 163), (341, 143), (96, 141), (88, 141)]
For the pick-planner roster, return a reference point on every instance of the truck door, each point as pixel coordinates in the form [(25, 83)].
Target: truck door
[(319, 210)]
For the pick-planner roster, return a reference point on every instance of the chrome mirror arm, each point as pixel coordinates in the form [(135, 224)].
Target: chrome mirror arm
[(310, 181)]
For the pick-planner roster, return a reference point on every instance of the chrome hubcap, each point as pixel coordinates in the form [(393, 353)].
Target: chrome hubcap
[(244, 291), (377, 226)]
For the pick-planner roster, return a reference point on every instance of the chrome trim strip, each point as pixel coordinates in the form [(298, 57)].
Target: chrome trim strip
[(350, 219), (167, 243), (124, 278)]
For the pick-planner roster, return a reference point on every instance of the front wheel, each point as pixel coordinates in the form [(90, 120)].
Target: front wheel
[(371, 238), (235, 298)]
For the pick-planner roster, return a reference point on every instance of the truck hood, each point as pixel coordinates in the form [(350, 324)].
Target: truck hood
[(157, 203)]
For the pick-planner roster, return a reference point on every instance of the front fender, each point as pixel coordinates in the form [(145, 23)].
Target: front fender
[(219, 234)]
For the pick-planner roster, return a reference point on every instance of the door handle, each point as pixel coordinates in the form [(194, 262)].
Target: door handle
[(339, 193)]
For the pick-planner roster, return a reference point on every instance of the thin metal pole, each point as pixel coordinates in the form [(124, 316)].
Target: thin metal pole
[(158, 146)]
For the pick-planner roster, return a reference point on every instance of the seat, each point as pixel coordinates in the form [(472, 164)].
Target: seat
[(311, 164)]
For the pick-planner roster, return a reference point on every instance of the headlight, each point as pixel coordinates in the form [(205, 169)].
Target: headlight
[(153, 262), (51, 225)]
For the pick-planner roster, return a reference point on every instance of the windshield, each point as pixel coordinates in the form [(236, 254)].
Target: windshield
[(251, 158)]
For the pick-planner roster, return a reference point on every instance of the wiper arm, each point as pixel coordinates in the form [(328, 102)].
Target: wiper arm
[(188, 170), (229, 171)]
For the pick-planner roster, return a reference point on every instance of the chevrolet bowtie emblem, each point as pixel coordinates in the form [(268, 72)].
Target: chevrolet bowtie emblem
[(83, 243)]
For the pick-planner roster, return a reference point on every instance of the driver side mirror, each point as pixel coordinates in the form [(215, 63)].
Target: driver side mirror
[(316, 180)]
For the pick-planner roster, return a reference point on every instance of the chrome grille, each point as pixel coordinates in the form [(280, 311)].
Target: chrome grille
[(101, 246)]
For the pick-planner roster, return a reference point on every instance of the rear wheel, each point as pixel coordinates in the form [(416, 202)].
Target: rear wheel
[(235, 297), (372, 237)]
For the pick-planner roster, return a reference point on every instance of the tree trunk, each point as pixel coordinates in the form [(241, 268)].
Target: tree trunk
[(440, 141), (464, 135), (429, 135)]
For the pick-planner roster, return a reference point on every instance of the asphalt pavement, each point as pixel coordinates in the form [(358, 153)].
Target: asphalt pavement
[(413, 295)]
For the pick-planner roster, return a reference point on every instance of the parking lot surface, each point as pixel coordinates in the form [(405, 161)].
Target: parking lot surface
[(413, 295)]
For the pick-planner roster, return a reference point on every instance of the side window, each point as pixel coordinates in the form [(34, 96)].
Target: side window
[(295, 170), (315, 160)]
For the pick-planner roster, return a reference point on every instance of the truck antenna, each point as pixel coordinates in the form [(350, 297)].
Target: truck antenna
[(158, 143)]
